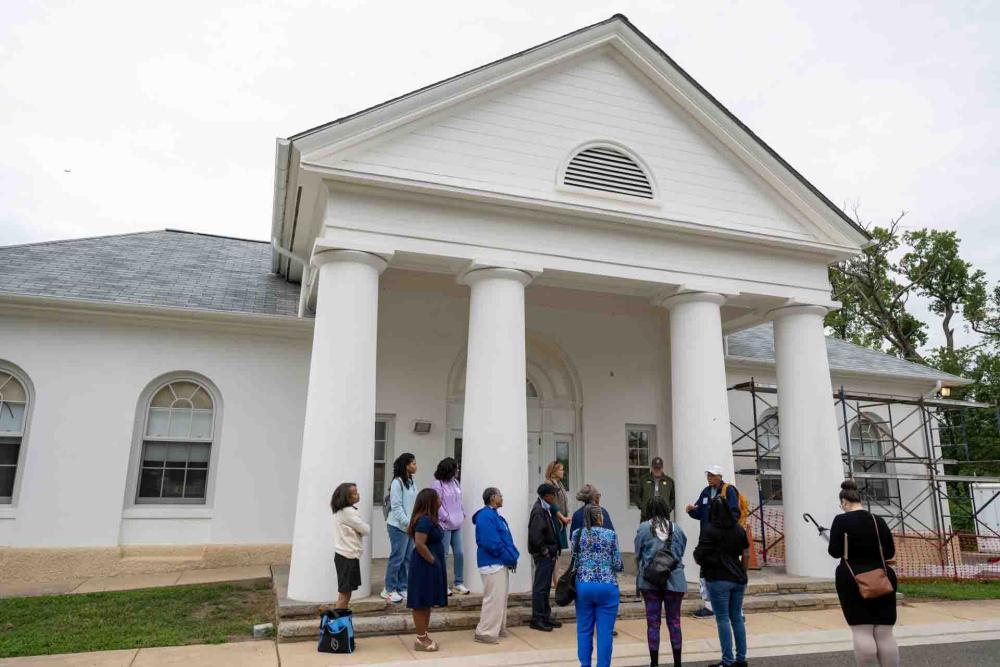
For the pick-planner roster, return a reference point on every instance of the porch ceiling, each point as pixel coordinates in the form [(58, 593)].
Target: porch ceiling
[(741, 311)]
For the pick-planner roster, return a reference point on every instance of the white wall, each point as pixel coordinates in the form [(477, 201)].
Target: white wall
[(514, 141), (614, 343), (988, 521), (88, 374)]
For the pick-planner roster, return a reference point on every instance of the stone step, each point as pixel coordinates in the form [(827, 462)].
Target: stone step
[(375, 606), (458, 617)]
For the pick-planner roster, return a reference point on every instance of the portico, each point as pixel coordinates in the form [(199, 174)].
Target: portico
[(688, 325), (447, 229)]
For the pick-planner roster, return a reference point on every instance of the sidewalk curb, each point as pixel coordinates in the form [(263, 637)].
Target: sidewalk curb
[(804, 643)]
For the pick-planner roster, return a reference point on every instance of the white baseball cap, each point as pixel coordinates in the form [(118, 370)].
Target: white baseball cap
[(714, 470)]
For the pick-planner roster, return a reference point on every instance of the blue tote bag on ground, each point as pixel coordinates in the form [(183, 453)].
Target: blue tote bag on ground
[(336, 631)]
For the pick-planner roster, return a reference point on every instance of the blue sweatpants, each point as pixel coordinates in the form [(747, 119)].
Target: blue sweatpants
[(596, 605)]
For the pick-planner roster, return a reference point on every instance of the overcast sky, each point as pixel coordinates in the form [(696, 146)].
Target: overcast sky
[(125, 116)]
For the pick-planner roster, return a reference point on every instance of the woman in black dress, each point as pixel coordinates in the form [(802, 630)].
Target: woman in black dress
[(428, 576), (871, 620)]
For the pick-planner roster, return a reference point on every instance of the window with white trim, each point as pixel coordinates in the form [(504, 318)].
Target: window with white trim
[(383, 456), (177, 439), (640, 442), (563, 446), (770, 456), (13, 417), (868, 445)]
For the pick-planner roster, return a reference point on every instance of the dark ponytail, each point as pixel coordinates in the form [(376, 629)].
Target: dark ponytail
[(849, 491), (399, 469)]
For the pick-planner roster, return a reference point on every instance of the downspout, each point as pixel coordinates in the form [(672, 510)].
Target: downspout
[(305, 286)]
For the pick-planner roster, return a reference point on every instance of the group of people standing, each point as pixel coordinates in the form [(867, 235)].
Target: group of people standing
[(424, 525)]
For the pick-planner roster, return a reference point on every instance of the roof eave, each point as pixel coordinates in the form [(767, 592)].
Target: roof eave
[(945, 379), (264, 322)]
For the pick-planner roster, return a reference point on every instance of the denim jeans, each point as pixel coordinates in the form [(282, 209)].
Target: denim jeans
[(453, 539), (727, 604), (596, 605), (400, 548)]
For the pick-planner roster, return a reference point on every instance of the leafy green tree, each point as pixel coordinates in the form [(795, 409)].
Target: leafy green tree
[(874, 291), (934, 266), (982, 311)]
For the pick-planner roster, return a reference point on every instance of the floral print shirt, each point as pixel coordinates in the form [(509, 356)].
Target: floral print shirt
[(599, 557)]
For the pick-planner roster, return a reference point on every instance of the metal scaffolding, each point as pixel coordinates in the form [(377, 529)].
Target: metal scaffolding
[(898, 448)]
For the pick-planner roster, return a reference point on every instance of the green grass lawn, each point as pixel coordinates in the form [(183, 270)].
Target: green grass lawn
[(951, 590), (204, 614)]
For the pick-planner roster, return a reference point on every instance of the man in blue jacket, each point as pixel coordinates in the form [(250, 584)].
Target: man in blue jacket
[(496, 557), (699, 511)]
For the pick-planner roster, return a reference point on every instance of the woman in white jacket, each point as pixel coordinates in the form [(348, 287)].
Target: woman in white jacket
[(348, 530)]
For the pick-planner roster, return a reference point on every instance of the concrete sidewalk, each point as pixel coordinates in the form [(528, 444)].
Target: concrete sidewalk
[(771, 634)]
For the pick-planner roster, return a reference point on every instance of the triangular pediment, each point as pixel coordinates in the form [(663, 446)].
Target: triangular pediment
[(516, 142), (508, 129)]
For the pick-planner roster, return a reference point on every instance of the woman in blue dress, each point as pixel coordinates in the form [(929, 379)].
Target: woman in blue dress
[(428, 575)]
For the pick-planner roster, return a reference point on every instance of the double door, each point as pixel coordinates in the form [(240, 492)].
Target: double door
[(543, 448)]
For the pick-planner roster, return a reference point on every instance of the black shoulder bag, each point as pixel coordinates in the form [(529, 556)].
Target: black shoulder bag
[(659, 568), (566, 586)]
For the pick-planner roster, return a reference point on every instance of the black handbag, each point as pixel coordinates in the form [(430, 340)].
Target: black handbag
[(566, 586), (336, 632), (659, 568)]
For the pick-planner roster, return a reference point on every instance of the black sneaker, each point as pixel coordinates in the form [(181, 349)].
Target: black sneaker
[(535, 625), (554, 623), (704, 612)]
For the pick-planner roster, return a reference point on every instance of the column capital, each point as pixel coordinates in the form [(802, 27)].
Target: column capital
[(677, 299), (322, 256), (477, 270), (797, 309)]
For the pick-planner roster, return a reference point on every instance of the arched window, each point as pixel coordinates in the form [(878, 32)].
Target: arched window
[(868, 445), (606, 168), (770, 456), (177, 441), (13, 421), (529, 388)]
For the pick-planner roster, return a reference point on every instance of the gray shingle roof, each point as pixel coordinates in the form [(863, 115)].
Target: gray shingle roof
[(161, 268), (757, 343)]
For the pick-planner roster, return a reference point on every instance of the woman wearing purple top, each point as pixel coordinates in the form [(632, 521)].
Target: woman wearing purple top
[(451, 516)]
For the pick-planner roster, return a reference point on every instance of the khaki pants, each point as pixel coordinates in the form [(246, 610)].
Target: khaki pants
[(493, 617)]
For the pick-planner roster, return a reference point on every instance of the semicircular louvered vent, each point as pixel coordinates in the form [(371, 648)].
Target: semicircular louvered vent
[(608, 170)]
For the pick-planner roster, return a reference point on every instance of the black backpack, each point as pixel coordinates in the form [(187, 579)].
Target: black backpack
[(663, 563)]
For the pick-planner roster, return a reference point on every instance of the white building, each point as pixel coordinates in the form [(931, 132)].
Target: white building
[(570, 253)]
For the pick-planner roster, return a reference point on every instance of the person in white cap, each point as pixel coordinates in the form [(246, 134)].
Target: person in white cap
[(699, 510)]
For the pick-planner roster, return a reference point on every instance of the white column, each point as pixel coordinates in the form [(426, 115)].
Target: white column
[(338, 439), (495, 425), (811, 466), (699, 403)]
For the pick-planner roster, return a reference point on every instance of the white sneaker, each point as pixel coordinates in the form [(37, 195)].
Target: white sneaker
[(461, 589), (396, 598), (401, 595), (450, 592), (385, 595)]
